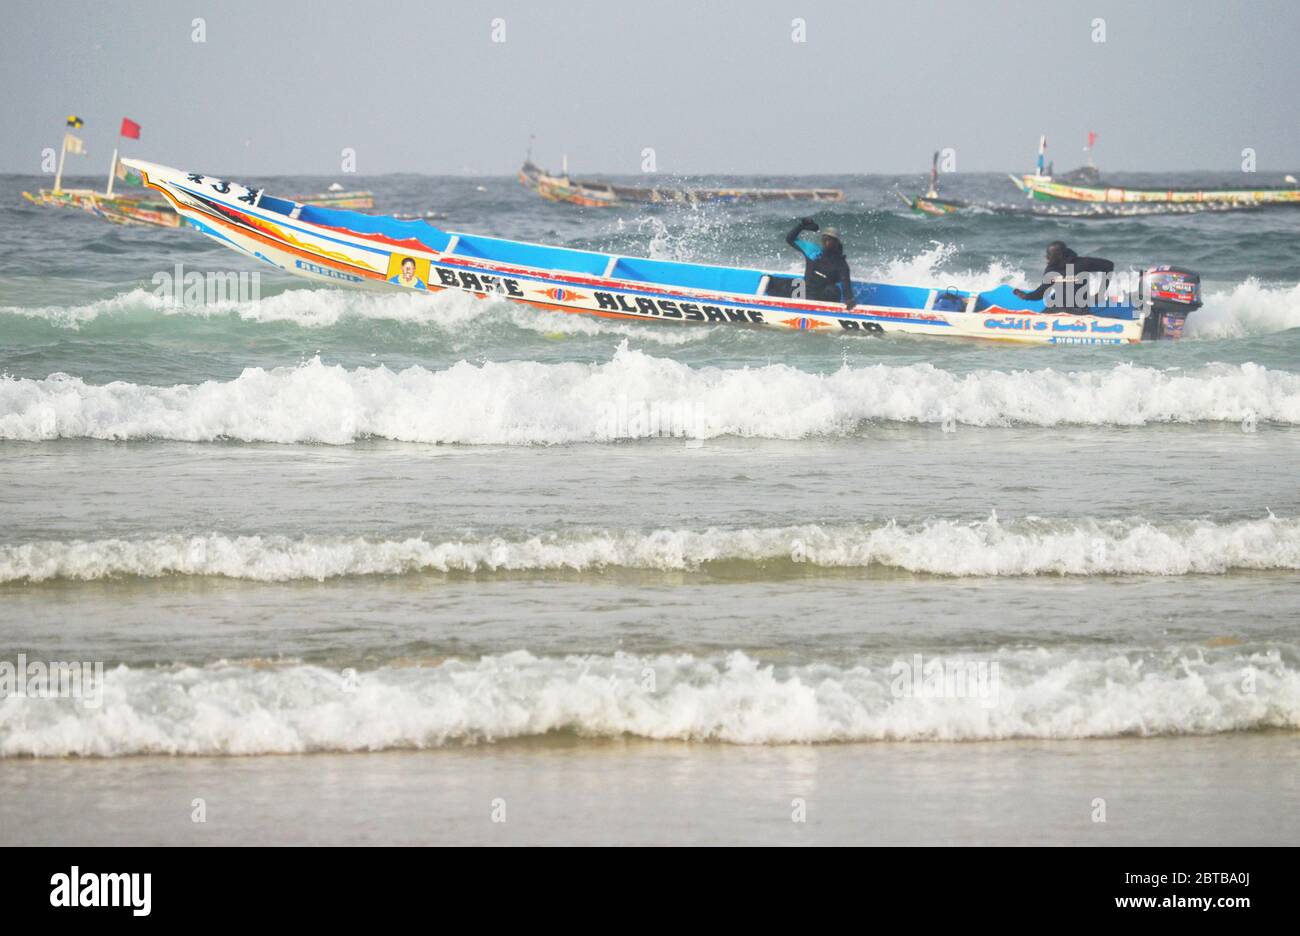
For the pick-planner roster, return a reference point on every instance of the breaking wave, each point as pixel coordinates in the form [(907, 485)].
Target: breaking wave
[(1248, 308), (633, 395), (1031, 546), (329, 308), (244, 709)]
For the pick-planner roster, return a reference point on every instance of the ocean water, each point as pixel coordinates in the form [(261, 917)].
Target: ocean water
[(557, 560)]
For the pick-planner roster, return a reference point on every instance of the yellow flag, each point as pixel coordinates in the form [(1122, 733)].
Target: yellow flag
[(73, 144)]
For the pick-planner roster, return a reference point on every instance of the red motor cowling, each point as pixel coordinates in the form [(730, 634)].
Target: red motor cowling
[(1170, 294)]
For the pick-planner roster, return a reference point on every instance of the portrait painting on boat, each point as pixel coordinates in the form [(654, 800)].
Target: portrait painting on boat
[(408, 271)]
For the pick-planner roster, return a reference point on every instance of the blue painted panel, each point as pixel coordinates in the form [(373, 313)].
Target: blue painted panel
[(531, 255), (421, 231), (688, 275), (893, 297), (1005, 298)]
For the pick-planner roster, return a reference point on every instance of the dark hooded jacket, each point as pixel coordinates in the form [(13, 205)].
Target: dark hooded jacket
[(1069, 263), (826, 271)]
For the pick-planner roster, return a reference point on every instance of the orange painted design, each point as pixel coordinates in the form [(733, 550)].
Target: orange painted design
[(564, 294), (277, 233), (803, 323)]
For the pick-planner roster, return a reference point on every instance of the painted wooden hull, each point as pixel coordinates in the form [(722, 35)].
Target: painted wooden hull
[(128, 210), (1045, 189), (933, 205), (136, 211), (367, 251), (1059, 208)]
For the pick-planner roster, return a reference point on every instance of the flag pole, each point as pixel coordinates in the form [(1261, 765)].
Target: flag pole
[(58, 176), (112, 173)]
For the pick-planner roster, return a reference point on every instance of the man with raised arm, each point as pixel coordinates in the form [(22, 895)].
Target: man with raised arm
[(826, 271)]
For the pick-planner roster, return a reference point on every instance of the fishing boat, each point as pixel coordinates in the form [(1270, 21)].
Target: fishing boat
[(133, 211), (933, 205), (593, 193), (930, 203), (1045, 188), (941, 207), (1084, 187), (114, 209), (562, 189), (342, 247), (338, 198)]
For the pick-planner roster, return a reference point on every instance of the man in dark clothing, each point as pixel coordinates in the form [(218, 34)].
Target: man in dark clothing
[(1066, 270), (826, 272)]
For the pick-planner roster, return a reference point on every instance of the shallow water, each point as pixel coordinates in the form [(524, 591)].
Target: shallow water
[(561, 790), (325, 521)]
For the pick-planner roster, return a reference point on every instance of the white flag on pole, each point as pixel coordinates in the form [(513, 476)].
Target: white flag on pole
[(74, 144)]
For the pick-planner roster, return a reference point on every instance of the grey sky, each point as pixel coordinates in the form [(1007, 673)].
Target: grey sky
[(715, 86)]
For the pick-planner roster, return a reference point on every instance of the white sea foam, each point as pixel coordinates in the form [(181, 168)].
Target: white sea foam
[(454, 312), (1246, 309), (940, 547), (231, 709), (74, 316), (533, 403)]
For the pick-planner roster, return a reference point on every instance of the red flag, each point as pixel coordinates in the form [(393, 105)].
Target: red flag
[(1092, 138), (130, 128)]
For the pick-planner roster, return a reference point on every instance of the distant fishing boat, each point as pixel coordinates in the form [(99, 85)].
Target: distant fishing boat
[(933, 205), (1045, 188), (941, 207), (336, 197), (930, 203), (348, 248), (1085, 185), (593, 193)]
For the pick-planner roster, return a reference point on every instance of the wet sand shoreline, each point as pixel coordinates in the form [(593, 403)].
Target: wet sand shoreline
[(1232, 789)]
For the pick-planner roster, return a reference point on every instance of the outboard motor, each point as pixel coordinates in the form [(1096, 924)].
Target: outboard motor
[(1170, 295)]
